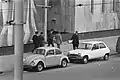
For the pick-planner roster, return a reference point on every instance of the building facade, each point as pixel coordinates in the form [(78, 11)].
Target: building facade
[(61, 16), (97, 15), (94, 15), (7, 13), (64, 16)]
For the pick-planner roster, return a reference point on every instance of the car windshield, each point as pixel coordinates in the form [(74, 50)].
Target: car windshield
[(86, 46), (39, 51)]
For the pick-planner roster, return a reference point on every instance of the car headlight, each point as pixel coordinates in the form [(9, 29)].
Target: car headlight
[(23, 59), (32, 63)]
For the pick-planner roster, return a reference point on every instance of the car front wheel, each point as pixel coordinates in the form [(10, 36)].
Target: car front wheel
[(85, 60), (39, 67), (64, 63), (106, 57)]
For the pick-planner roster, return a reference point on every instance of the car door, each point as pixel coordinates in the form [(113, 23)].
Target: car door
[(50, 58), (102, 49), (58, 55), (95, 51)]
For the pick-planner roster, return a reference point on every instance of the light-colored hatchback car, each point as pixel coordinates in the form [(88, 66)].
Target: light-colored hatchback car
[(43, 57), (89, 50)]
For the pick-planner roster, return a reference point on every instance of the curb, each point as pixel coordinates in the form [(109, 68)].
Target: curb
[(1, 73), (114, 54)]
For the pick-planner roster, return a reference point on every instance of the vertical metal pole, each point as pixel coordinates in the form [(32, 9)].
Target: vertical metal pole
[(45, 24), (18, 35)]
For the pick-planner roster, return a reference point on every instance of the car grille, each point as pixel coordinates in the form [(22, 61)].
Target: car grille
[(74, 56)]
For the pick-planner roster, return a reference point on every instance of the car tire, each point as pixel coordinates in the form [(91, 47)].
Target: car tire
[(106, 57), (85, 60), (39, 67), (64, 63)]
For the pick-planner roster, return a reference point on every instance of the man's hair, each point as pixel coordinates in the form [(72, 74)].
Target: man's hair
[(76, 32), (36, 32), (41, 33)]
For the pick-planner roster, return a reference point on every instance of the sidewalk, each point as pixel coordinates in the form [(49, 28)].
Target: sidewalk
[(110, 41)]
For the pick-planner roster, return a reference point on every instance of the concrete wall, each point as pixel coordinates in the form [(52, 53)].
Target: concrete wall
[(6, 63), (7, 56)]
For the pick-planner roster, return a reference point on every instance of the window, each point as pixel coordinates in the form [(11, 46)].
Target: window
[(103, 6), (39, 51), (58, 52), (92, 6), (86, 46), (95, 46), (50, 52), (6, 0), (115, 5), (102, 45)]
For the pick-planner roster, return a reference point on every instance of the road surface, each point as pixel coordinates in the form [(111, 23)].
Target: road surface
[(94, 70)]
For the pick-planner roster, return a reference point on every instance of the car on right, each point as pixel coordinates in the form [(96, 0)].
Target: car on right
[(118, 45), (89, 50)]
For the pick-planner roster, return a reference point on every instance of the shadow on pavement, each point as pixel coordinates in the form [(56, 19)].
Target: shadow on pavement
[(90, 61), (45, 69)]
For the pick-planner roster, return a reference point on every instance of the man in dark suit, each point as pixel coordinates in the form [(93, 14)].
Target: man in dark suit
[(35, 40), (50, 39), (41, 40), (75, 40)]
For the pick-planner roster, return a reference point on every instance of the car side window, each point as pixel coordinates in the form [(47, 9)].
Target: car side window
[(95, 46), (50, 52), (57, 51), (102, 45)]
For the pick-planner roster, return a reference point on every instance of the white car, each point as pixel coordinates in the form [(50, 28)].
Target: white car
[(43, 57), (89, 50)]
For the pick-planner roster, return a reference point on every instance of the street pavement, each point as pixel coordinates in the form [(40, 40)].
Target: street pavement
[(94, 70)]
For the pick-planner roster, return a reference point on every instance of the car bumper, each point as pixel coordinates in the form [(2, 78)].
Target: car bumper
[(75, 58), (27, 66)]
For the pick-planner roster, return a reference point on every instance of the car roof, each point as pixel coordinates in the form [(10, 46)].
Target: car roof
[(93, 42), (47, 48)]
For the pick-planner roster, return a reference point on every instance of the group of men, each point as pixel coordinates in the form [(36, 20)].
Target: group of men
[(38, 40), (53, 37)]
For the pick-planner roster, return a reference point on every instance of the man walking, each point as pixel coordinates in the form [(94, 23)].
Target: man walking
[(58, 38), (50, 39), (75, 40)]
